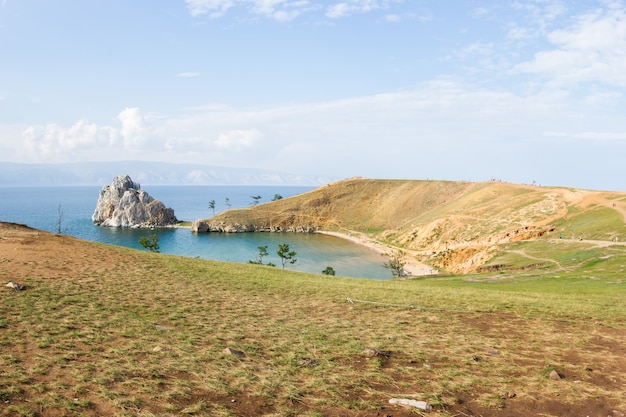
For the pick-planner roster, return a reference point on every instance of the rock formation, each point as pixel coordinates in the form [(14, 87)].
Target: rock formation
[(124, 204), (202, 226)]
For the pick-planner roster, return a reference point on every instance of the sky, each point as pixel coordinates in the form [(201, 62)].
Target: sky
[(519, 91)]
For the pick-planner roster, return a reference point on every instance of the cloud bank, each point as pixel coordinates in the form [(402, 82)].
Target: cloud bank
[(592, 50), (543, 115), (285, 10), (439, 129)]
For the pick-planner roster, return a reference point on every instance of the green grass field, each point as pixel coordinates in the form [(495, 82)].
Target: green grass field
[(110, 331)]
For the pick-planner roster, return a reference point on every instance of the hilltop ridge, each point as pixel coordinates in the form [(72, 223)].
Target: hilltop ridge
[(454, 226)]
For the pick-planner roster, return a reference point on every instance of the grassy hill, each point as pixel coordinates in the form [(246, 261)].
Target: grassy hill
[(458, 227), (540, 330), (109, 331)]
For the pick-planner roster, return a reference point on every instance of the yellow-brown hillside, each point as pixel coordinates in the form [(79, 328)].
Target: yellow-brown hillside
[(453, 225)]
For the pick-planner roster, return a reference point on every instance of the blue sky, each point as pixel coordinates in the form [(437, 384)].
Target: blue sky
[(522, 91)]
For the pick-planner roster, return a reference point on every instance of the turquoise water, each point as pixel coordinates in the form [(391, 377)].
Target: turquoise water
[(41, 208)]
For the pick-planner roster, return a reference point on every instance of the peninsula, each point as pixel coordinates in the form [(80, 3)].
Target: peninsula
[(437, 226)]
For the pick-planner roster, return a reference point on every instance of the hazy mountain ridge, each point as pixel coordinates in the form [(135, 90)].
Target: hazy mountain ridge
[(155, 173)]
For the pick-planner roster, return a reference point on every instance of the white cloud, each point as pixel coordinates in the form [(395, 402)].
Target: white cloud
[(286, 10), (393, 18), (442, 129), (338, 10), (133, 131), (136, 133), (592, 50), (280, 10), (349, 7), (213, 8), (479, 12), (541, 13), (517, 32), (54, 142), (188, 74), (237, 139), (477, 48)]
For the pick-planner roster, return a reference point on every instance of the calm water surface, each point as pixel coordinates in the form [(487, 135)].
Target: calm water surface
[(42, 207)]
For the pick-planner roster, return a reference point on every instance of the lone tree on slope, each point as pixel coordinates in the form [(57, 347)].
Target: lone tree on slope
[(287, 256), (212, 206), (396, 265), (262, 254), (329, 271), (152, 243)]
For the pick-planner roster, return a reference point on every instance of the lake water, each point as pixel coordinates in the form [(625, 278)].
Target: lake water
[(42, 207)]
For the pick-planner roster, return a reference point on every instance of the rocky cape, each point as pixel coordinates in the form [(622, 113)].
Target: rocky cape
[(203, 226), (452, 226), (124, 204)]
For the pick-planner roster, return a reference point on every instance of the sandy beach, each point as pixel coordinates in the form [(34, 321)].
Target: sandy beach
[(412, 267)]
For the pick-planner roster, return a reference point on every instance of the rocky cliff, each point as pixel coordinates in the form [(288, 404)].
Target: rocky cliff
[(201, 226), (124, 204)]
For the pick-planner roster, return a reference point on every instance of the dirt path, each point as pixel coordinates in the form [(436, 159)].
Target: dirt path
[(597, 243), (523, 253)]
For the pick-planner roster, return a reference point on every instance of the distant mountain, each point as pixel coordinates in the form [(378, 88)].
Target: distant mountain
[(146, 173)]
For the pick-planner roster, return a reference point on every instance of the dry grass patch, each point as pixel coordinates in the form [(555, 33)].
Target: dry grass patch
[(111, 331)]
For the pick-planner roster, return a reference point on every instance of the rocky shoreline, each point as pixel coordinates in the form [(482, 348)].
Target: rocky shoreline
[(203, 226)]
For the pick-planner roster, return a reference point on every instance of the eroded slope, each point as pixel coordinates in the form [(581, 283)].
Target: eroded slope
[(452, 225)]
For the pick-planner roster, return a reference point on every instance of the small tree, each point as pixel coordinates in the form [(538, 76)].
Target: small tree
[(329, 271), (152, 243), (212, 206), (227, 202), (255, 199), (262, 254), (277, 197), (287, 256), (60, 216), (396, 265)]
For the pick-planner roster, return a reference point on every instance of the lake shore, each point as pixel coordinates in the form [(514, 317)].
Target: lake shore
[(412, 267)]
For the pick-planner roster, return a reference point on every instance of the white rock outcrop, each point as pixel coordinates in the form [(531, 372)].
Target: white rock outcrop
[(124, 204)]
